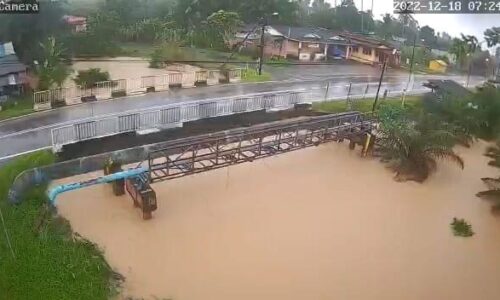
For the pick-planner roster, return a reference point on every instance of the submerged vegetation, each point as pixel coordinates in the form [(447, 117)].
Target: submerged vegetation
[(411, 139), (411, 146), (493, 184), (252, 75), (461, 228)]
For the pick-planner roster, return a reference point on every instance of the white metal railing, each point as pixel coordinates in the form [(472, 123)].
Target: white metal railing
[(172, 115), (104, 90)]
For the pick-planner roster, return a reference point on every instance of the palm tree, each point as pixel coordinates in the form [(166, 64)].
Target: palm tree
[(492, 36), (52, 71), (494, 154), (463, 47), (413, 147), (493, 184), (459, 49)]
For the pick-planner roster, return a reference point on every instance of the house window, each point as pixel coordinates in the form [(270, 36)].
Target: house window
[(367, 51), (355, 49)]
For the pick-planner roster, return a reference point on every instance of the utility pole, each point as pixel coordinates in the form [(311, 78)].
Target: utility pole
[(412, 58), (379, 84), (411, 68), (262, 41), (362, 19), (469, 69)]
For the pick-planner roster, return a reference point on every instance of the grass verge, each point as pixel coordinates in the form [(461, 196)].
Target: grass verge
[(17, 107), (136, 49), (251, 75), (50, 262), (363, 105)]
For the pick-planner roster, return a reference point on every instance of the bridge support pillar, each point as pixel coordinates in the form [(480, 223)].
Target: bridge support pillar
[(112, 167)]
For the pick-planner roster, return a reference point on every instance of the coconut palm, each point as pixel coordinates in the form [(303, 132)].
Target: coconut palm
[(493, 184), (52, 70), (413, 147), (494, 154)]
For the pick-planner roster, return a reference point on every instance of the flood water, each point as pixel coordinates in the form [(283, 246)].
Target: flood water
[(320, 223)]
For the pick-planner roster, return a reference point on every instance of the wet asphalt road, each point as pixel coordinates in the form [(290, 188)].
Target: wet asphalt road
[(33, 132)]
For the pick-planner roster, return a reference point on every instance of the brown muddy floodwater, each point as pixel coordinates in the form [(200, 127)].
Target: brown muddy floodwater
[(320, 223)]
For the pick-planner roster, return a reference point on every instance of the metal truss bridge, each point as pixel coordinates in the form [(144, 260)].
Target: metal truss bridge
[(217, 150)]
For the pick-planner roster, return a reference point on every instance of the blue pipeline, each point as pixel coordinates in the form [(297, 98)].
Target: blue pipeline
[(104, 179)]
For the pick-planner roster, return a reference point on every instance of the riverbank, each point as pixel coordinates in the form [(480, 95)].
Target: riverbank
[(319, 223), (40, 257)]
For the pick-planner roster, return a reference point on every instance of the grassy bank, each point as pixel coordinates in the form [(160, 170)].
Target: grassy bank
[(45, 260), (364, 105), (251, 75), (17, 107)]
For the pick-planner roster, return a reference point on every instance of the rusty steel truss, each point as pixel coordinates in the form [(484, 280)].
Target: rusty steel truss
[(212, 151)]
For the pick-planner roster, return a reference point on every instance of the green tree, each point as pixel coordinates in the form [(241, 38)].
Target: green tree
[(412, 147), (192, 13), (460, 49), (488, 102), (428, 35), (471, 41), (27, 31), (225, 22), (103, 30), (386, 30), (89, 78), (347, 16), (492, 36), (52, 71), (148, 30)]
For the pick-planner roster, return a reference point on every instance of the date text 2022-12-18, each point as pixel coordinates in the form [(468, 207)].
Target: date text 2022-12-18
[(447, 7)]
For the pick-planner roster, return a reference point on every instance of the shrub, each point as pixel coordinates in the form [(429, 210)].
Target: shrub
[(487, 100), (413, 146), (168, 53), (461, 228), (88, 78), (91, 45), (460, 116), (251, 75)]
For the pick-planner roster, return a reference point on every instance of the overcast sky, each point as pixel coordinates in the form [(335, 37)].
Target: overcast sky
[(453, 24)]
